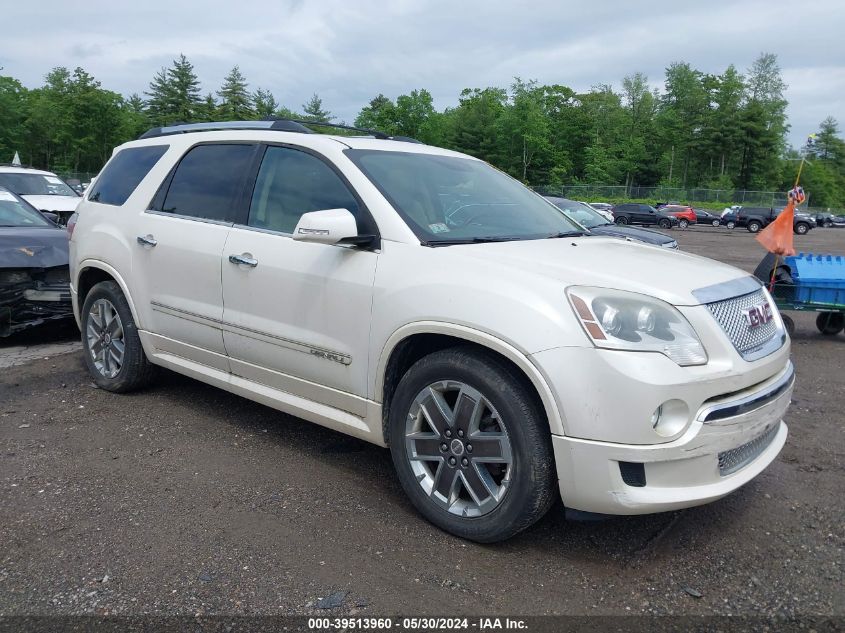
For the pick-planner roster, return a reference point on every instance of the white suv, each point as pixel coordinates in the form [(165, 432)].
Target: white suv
[(420, 299), (42, 189)]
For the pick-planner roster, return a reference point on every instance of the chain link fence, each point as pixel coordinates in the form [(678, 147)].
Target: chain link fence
[(620, 193)]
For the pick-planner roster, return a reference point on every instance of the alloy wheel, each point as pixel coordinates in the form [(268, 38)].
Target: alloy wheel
[(105, 336), (458, 448)]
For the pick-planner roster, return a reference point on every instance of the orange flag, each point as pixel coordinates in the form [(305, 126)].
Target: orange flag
[(777, 237)]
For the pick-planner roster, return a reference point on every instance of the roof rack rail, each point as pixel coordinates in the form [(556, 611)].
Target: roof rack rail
[(268, 123), (184, 128), (18, 166)]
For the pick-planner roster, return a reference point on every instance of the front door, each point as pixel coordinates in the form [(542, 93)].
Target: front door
[(178, 245), (297, 314)]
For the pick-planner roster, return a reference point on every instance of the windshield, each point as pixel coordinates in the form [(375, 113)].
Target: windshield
[(449, 200), (36, 185), (580, 212), (15, 213)]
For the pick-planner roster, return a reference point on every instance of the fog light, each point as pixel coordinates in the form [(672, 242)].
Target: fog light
[(670, 418)]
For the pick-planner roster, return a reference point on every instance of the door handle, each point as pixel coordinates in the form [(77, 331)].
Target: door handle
[(243, 260), (147, 240)]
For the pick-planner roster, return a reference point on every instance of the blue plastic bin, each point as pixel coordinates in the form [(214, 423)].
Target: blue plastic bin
[(819, 279)]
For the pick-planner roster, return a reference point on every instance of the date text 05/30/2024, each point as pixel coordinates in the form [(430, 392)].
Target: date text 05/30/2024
[(416, 624)]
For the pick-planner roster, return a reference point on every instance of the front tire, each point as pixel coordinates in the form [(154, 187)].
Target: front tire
[(622, 220), (111, 346), (665, 224), (471, 446), (715, 222)]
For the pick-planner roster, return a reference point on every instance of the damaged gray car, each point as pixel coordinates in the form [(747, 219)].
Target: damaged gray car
[(34, 282)]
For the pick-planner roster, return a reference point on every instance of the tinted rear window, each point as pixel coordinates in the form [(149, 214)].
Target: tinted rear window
[(124, 173), (208, 182)]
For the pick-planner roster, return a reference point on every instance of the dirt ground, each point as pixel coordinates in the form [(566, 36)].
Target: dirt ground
[(184, 499)]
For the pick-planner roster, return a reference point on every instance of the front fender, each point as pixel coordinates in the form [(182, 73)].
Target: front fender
[(521, 360)]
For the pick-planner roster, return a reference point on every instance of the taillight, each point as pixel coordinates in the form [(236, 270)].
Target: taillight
[(71, 224)]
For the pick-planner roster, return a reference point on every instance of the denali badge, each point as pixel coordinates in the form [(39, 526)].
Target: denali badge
[(757, 315)]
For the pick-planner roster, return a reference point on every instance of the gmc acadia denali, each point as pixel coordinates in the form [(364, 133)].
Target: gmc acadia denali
[(422, 300)]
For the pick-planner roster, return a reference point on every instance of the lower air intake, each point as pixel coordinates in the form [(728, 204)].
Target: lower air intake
[(632, 473), (739, 457)]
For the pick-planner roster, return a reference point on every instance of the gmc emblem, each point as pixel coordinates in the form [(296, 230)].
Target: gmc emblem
[(757, 315)]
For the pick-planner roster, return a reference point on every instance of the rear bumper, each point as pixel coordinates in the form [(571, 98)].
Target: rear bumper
[(710, 460)]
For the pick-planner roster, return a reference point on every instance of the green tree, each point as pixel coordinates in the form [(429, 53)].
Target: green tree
[(414, 112), (264, 103), (135, 121), (13, 109), (235, 99), (313, 110), (472, 127), (763, 121), (683, 113), (523, 131), (378, 114), (174, 94)]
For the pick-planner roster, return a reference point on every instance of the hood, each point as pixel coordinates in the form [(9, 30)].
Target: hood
[(634, 233), (33, 248), (667, 274), (53, 203)]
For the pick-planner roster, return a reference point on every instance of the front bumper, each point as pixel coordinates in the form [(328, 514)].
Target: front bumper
[(731, 440), (32, 301)]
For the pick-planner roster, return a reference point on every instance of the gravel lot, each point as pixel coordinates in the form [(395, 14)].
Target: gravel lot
[(184, 499)]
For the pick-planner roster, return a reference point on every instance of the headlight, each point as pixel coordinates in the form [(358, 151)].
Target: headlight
[(615, 319)]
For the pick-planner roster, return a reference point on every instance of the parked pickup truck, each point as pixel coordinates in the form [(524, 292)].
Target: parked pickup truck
[(757, 218)]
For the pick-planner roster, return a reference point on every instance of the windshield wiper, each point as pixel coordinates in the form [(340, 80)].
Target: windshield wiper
[(568, 234), (476, 240)]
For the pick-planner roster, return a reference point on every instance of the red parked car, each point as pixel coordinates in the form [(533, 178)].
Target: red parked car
[(686, 215)]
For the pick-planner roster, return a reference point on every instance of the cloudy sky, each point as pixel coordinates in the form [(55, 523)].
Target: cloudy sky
[(350, 51)]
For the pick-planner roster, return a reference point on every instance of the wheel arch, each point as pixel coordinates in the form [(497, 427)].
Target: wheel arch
[(92, 272), (412, 342)]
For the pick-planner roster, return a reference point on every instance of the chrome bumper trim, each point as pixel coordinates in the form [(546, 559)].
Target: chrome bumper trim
[(746, 404)]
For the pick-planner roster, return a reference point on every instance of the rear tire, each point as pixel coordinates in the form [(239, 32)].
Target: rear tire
[(622, 220), (444, 404), (754, 226), (830, 323), (731, 225), (111, 346), (801, 228), (683, 223)]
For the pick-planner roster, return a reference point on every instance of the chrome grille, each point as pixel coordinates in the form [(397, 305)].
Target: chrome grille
[(736, 458), (729, 314)]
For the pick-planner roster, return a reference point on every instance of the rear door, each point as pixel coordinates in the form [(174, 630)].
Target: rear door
[(179, 243)]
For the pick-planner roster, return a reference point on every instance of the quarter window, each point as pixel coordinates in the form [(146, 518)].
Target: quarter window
[(124, 173), (208, 182), (291, 182)]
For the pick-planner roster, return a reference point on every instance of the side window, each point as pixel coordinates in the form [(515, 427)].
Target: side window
[(208, 182), (291, 182), (124, 172)]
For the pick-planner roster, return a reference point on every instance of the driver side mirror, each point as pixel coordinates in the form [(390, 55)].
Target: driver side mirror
[(332, 226), (54, 218)]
